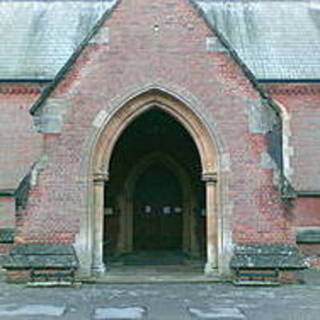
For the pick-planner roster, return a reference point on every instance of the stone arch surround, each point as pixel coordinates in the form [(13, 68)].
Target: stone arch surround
[(121, 118), (88, 243)]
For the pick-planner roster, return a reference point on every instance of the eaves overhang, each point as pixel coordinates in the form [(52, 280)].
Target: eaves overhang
[(67, 66), (7, 192), (25, 80), (301, 80)]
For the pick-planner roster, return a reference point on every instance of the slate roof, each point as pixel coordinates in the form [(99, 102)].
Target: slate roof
[(37, 37), (277, 40)]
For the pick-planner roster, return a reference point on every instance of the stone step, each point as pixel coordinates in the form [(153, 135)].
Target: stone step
[(125, 313), (14, 310), (217, 313)]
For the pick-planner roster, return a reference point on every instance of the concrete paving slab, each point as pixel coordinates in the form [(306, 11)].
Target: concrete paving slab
[(133, 313), (165, 301), (221, 313), (14, 310)]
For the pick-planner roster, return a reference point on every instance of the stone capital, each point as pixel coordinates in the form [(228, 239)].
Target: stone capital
[(209, 177), (210, 268), (100, 177)]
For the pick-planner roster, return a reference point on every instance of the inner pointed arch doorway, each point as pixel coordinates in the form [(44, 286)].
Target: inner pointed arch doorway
[(152, 144), (155, 199)]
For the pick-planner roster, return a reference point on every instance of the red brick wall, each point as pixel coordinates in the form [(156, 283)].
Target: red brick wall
[(307, 212), (176, 57), (20, 145), (18, 276), (302, 103), (7, 212), (5, 248)]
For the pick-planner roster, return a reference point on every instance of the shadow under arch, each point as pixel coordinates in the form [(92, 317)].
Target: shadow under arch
[(114, 125), (189, 241)]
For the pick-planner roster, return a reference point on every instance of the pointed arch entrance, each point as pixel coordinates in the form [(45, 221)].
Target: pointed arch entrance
[(113, 129)]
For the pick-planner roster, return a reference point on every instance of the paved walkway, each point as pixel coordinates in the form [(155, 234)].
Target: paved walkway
[(162, 301)]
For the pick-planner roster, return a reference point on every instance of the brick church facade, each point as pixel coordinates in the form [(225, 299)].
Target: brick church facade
[(156, 134)]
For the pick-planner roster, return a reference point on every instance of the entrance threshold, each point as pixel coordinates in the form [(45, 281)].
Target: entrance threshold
[(154, 274)]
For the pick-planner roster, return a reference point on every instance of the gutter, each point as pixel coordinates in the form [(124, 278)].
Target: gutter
[(7, 192), (302, 81), (25, 80), (308, 194)]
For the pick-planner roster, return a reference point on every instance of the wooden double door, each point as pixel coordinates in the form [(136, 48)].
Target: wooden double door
[(158, 211)]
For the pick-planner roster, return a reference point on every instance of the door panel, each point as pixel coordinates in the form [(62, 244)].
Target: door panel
[(157, 211)]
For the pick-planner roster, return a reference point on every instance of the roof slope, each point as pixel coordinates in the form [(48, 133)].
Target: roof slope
[(277, 40), (37, 37)]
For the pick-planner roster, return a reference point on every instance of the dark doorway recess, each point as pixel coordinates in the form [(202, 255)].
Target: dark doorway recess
[(155, 197), (157, 211)]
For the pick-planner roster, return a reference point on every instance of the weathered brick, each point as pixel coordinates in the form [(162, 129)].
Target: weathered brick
[(162, 43), (132, 57)]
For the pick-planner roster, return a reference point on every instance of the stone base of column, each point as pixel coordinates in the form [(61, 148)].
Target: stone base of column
[(98, 270), (210, 269)]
